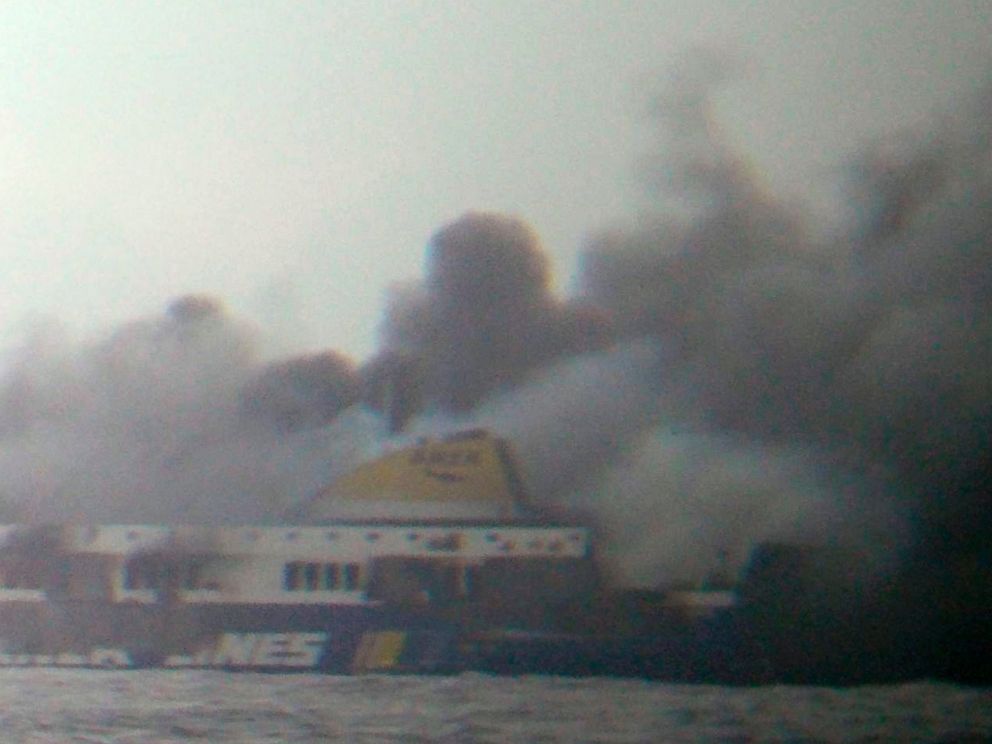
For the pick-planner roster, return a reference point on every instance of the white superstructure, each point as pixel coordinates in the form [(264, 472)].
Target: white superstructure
[(290, 565)]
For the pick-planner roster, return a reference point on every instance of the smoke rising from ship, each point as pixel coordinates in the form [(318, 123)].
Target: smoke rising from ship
[(485, 315), (177, 418), (836, 384), (868, 348), (725, 373)]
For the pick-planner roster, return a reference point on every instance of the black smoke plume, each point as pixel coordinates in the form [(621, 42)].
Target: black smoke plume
[(485, 315), (305, 392)]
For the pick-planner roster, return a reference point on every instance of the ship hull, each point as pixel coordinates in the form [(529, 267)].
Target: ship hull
[(272, 638), (348, 639)]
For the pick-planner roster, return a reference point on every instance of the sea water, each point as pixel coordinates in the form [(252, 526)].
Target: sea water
[(49, 705)]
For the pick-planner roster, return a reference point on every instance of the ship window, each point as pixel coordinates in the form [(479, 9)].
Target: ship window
[(352, 576), (299, 576), (196, 578), (191, 577), (310, 575), (332, 576), (21, 577), (141, 574), (451, 541), (467, 578), (292, 576)]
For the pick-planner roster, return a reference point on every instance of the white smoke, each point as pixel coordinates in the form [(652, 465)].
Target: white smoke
[(683, 505)]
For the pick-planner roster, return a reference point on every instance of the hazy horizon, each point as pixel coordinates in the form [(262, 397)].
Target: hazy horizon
[(294, 160)]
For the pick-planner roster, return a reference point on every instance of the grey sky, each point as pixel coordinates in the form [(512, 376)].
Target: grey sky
[(293, 158)]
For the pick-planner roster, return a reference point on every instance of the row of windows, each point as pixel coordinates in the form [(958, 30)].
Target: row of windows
[(310, 577), (20, 581), (151, 574), (297, 576)]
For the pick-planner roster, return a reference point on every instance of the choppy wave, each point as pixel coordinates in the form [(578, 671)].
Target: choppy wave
[(167, 706)]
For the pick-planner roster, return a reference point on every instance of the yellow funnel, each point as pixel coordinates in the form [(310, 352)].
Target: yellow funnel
[(465, 469)]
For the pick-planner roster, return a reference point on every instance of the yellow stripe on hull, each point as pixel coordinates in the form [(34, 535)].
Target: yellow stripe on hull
[(378, 651)]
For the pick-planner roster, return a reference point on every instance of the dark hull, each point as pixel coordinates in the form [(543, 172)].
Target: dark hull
[(348, 639)]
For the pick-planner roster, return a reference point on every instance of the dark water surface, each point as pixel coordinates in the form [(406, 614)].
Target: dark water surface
[(47, 705)]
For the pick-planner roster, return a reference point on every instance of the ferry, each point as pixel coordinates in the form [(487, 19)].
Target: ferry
[(428, 560)]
